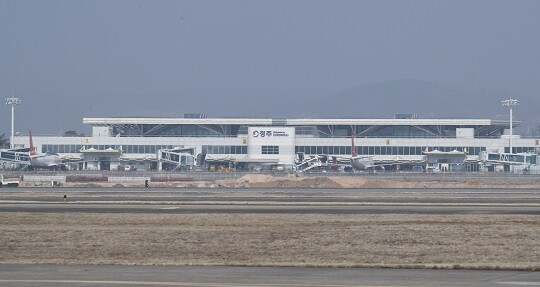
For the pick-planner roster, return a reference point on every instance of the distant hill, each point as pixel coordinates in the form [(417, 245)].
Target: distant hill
[(377, 100), (427, 99)]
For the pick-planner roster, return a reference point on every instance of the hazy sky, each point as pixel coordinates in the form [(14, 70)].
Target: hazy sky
[(70, 59)]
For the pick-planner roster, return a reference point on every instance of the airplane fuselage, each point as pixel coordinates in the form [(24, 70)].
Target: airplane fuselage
[(45, 161), (42, 160), (362, 163)]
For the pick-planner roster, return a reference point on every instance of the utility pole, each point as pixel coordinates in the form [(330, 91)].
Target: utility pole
[(12, 102), (510, 103)]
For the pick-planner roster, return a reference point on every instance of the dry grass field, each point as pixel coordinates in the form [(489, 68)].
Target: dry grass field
[(388, 240), (330, 181)]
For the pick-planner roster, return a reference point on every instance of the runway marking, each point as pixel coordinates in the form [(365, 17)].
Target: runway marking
[(71, 270), (167, 208), (520, 283), (272, 203), (103, 282)]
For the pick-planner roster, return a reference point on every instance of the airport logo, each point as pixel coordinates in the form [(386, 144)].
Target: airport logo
[(268, 134), (262, 134)]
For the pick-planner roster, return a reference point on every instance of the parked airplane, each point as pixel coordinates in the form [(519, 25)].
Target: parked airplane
[(50, 161), (362, 162), (356, 162)]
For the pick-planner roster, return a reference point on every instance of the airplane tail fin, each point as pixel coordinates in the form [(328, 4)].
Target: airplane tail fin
[(32, 149), (353, 148)]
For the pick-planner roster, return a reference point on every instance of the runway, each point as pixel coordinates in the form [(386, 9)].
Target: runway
[(224, 225), (302, 201), (216, 276), (264, 209)]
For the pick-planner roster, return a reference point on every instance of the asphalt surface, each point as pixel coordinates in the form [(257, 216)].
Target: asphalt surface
[(329, 201), (332, 201), (216, 276), (265, 209)]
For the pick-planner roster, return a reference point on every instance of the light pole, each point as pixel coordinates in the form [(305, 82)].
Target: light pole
[(12, 102), (510, 103)]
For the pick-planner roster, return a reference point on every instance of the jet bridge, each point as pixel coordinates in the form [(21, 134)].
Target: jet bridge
[(512, 158), (514, 162), (174, 159), (16, 156), (310, 163)]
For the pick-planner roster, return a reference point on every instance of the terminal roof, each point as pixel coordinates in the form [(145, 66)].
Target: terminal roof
[(288, 122)]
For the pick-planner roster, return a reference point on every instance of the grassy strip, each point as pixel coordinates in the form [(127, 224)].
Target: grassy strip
[(508, 242)]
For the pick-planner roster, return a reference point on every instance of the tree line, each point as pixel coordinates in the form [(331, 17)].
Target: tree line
[(4, 141)]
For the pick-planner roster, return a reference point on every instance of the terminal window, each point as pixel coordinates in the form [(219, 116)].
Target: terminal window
[(270, 149)]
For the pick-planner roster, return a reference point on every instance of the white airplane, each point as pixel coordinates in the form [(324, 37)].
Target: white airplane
[(49, 161), (362, 162)]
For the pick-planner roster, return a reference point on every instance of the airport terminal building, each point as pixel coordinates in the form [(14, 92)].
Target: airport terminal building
[(196, 141)]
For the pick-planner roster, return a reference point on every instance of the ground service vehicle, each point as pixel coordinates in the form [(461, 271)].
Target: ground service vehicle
[(8, 183)]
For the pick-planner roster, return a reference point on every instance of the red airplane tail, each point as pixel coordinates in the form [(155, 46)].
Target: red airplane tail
[(353, 148), (32, 149)]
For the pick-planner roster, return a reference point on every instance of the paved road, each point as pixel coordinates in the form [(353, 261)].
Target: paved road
[(264, 209), (330, 201), (215, 276)]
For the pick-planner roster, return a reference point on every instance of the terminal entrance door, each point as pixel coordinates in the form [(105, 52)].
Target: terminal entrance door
[(104, 163)]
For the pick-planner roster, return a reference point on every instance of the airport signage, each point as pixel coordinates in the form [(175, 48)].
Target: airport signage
[(269, 133), (280, 139)]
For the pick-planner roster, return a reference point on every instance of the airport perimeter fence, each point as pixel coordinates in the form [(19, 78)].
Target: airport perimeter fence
[(162, 176), (116, 177), (434, 176)]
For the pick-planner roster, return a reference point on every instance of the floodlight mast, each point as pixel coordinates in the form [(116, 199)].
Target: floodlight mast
[(12, 102), (510, 103)]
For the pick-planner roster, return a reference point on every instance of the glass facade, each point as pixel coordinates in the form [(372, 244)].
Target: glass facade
[(322, 131), (224, 149), (382, 150), (270, 149), (188, 130), (125, 148), (407, 132), (521, 149), (313, 150)]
